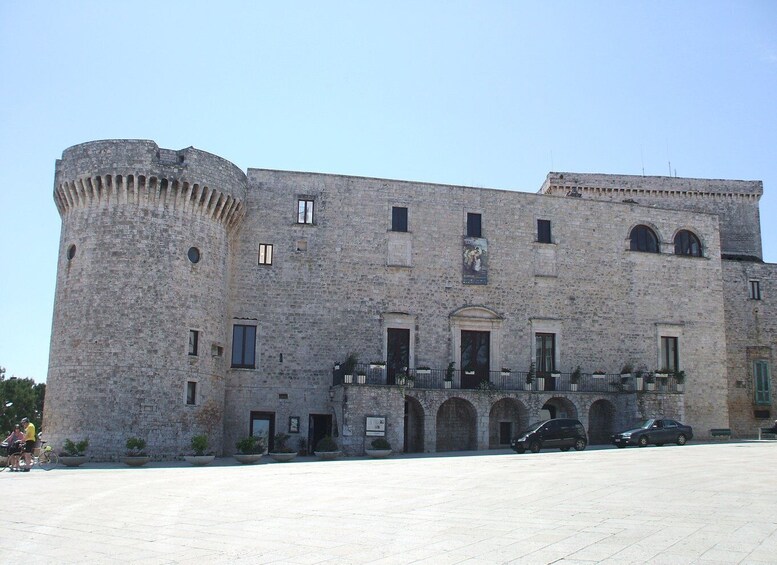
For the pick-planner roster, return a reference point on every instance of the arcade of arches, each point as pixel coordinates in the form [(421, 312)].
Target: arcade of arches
[(468, 424)]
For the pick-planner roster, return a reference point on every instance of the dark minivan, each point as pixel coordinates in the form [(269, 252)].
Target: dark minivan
[(562, 433)]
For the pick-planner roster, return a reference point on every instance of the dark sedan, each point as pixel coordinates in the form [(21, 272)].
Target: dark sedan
[(657, 431)]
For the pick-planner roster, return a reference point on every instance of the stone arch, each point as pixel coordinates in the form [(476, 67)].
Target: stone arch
[(456, 426), (558, 407), (414, 426), (601, 422), (507, 417)]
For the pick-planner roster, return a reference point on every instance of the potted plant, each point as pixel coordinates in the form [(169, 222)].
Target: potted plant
[(199, 447), (599, 374), (379, 448), (361, 376), (404, 378), (348, 367), (73, 453), (679, 377), (638, 379), (627, 370), (448, 383), (282, 452), (326, 449), (136, 452), (650, 381), (250, 450), (505, 371), (530, 376), (423, 370), (574, 379), (377, 365)]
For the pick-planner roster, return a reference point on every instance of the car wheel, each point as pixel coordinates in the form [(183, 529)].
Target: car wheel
[(520, 449), (535, 447), (580, 445), (643, 441), (681, 439), (564, 448)]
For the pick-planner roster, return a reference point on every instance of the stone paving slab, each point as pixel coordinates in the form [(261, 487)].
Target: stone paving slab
[(701, 503)]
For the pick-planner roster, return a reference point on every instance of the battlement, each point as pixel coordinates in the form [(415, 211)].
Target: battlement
[(114, 172), (631, 186)]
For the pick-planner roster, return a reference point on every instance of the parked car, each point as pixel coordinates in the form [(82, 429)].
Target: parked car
[(562, 433), (655, 430)]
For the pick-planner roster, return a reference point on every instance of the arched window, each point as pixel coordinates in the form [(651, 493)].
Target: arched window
[(686, 243), (643, 239)]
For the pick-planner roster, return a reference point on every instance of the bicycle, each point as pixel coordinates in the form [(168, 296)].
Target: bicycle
[(44, 457)]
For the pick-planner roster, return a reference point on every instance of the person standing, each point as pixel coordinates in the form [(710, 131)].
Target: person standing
[(29, 442), (14, 441)]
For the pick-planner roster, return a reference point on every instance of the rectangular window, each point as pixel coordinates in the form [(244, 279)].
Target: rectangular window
[(546, 352), (265, 254), (755, 290), (194, 341), (761, 376), (474, 225), (243, 347), (543, 231), (304, 211), (669, 356), (191, 393), (398, 218)]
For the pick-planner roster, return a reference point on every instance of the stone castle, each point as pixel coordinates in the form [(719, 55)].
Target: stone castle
[(195, 298)]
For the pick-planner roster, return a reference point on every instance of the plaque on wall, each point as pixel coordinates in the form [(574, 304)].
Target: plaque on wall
[(475, 261), (375, 426)]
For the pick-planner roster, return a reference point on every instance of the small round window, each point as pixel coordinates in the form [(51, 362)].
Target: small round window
[(194, 255), (71, 252)]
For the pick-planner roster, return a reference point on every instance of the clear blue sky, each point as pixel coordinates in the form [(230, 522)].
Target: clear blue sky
[(491, 94)]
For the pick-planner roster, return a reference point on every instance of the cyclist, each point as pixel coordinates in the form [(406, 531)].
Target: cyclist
[(29, 442)]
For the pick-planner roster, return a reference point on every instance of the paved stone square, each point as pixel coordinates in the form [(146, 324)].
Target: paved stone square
[(702, 503)]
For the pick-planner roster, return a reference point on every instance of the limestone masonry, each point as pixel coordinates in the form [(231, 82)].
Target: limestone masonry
[(195, 298)]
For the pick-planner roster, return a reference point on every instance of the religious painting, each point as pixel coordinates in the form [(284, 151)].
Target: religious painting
[(475, 261)]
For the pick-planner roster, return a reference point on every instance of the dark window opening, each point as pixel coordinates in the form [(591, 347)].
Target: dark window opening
[(71, 252), (243, 347), (545, 352), (398, 218), (191, 393), (761, 377), (194, 255), (644, 239), (474, 225), (194, 340), (669, 354), (755, 290), (543, 231), (686, 243)]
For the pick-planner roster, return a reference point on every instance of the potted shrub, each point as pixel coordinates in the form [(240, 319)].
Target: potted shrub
[(73, 453), (326, 448), (574, 379), (627, 370), (423, 370), (448, 383), (679, 377), (530, 376), (199, 447), (638, 379), (599, 374), (404, 378), (650, 382), (348, 367), (505, 371), (361, 376), (136, 452), (250, 450), (379, 448), (377, 365), (281, 451)]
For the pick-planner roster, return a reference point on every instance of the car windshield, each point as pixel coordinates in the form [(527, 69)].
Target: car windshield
[(532, 427), (644, 424)]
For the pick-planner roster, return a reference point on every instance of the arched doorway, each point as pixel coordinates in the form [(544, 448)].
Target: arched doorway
[(414, 426), (601, 418), (558, 407), (456, 426), (507, 417)]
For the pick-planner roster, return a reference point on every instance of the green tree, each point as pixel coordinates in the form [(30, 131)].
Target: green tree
[(20, 398)]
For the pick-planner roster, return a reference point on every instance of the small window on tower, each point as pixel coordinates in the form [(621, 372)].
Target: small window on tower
[(543, 231), (265, 254)]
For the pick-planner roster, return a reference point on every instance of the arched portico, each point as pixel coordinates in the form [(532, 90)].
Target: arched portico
[(414, 426), (506, 418), (558, 407), (456, 426), (601, 419)]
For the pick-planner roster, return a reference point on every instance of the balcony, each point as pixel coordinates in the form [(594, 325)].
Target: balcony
[(377, 375)]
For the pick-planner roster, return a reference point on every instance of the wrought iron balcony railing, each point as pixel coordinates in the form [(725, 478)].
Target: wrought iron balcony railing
[(372, 374)]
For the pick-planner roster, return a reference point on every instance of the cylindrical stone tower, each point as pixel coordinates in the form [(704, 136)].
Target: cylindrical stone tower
[(140, 313)]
